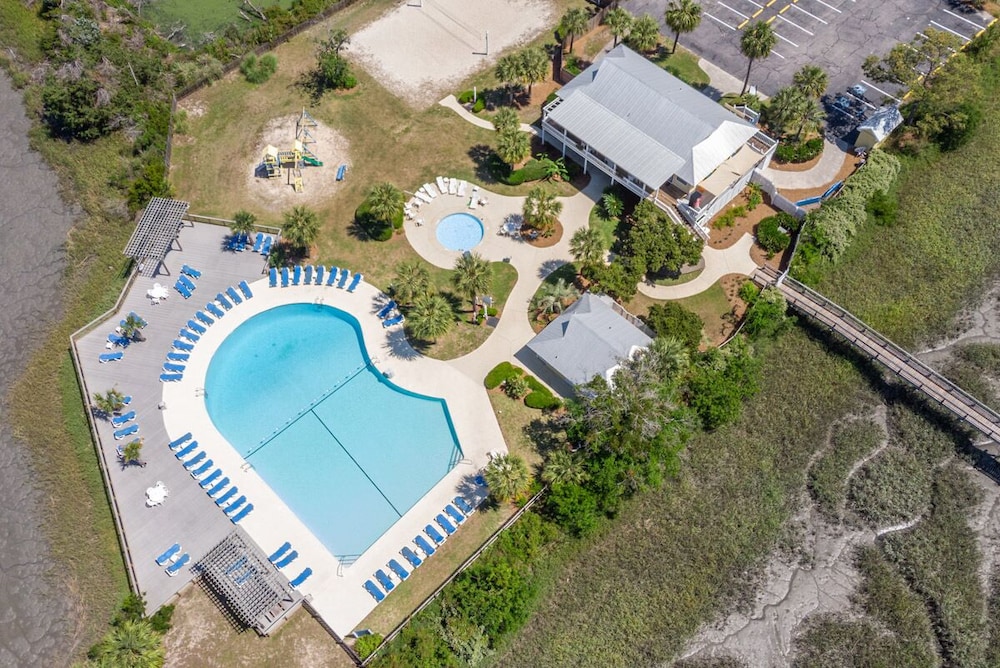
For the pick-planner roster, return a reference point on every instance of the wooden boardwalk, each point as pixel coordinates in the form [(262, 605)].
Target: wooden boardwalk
[(936, 387)]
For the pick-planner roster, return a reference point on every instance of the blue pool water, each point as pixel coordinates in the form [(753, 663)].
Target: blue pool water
[(293, 390), (459, 231)]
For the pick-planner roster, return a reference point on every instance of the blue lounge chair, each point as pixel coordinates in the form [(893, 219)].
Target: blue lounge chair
[(445, 524), (258, 242), (434, 534), (201, 470), (196, 327), (219, 486), (126, 400), (181, 288), (175, 567), (384, 580), (280, 551), (186, 450), (226, 304), (284, 277), (201, 315), (182, 345), (231, 244), (272, 277), (343, 278), (194, 461), (424, 546), (287, 559), (236, 566), (173, 367), (266, 248), (235, 296), (110, 357), (138, 318), (308, 278), (393, 321), (118, 340), (171, 377), (301, 577), (319, 274), (127, 431), (341, 172), (464, 505), (214, 310), (454, 514), (245, 289), (332, 276), (296, 274), (384, 311), (374, 591), (176, 443), (178, 357), (355, 282), (122, 419), (221, 501), (168, 554), (186, 282), (247, 509), (186, 333), (193, 273), (235, 505), (210, 478), (398, 569), (411, 556)]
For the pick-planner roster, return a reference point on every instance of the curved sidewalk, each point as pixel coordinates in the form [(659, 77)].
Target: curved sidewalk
[(718, 263), (821, 175), (451, 103)]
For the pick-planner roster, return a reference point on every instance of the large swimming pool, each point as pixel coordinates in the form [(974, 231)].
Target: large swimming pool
[(349, 452)]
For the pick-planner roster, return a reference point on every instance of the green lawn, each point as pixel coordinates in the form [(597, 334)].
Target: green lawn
[(683, 65)]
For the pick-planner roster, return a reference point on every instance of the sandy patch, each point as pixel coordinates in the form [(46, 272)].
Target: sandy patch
[(421, 52), (278, 194)]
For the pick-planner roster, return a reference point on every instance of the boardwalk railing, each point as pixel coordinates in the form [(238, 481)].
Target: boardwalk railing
[(922, 377)]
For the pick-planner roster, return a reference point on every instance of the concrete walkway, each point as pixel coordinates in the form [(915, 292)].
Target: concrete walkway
[(451, 103), (822, 174), (718, 263), (721, 82)]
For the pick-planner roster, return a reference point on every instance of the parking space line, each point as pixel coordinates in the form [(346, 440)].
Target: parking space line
[(755, 4), (828, 6), (810, 15), (791, 23), (947, 29), (719, 21), (874, 87), (777, 54), (785, 39), (860, 99), (740, 14), (962, 18)]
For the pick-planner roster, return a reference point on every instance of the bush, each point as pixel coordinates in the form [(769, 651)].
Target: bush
[(466, 96), (574, 508), (770, 237), (258, 71), (959, 127), (883, 206), (728, 218), (516, 387), (160, 620), (673, 320), (479, 105), (799, 152), (541, 397), (365, 645), (373, 227), (533, 170), (500, 373)]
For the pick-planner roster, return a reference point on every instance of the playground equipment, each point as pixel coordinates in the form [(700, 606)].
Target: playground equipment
[(275, 160)]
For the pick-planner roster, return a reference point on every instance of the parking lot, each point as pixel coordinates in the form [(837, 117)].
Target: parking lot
[(837, 35)]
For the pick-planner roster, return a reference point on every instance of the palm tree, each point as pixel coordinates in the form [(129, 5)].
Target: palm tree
[(110, 402), (507, 477), (575, 23), (132, 451), (619, 22), (756, 43), (555, 170), (534, 66), (587, 247), (301, 227), (508, 71), (506, 119), (513, 145), (812, 117), (552, 297), (668, 357), (412, 282), (644, 34), (430, 317), (613, 205), (541, 210), (563, 467), (243, 222), (131, 644), (682, 16), (811, 80), (473, 277), (130, 330), (786, 108), (385, 202)]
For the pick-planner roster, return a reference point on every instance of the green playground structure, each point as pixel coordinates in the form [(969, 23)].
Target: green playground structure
[(309, 160)]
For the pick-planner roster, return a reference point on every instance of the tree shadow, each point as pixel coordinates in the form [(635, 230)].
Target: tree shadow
[(547, 434), (399, 346), (550, 266), (489, 167)]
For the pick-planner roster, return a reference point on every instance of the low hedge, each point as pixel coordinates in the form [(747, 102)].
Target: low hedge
[(800, 152), (533, 170), (466, 96), (540, 397), (499, 374)]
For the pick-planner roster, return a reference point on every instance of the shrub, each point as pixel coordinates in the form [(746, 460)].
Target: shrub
[(258, 71), (466, 96), (728, 218), (160, 620), (500, 373), (541, 397), (799, 152), (959, 126), (755, 196), (770, 237), (670, 319), (479, 105), (516, 387), (883, 206), (574, 508), (373, 227), (533, 170), (365, 645)]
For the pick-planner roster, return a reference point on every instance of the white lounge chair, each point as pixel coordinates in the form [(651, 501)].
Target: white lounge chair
[(452, 186), (423, 197), (430, 190), (442, 184), (461, 188)]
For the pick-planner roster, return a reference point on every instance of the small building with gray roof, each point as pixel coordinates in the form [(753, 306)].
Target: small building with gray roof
[(656, 136), (589, 339)]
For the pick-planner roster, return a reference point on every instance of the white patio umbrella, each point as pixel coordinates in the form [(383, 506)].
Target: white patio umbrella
[(156, 494), (157, 292)]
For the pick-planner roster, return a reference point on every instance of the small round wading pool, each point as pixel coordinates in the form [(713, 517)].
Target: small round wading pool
[(459, 231)]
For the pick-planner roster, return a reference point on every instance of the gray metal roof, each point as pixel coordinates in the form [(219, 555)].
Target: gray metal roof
[(882, 122), (155, 232), (647, 121), (587, 339)]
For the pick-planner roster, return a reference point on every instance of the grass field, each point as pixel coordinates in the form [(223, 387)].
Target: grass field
[(199, 16)]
